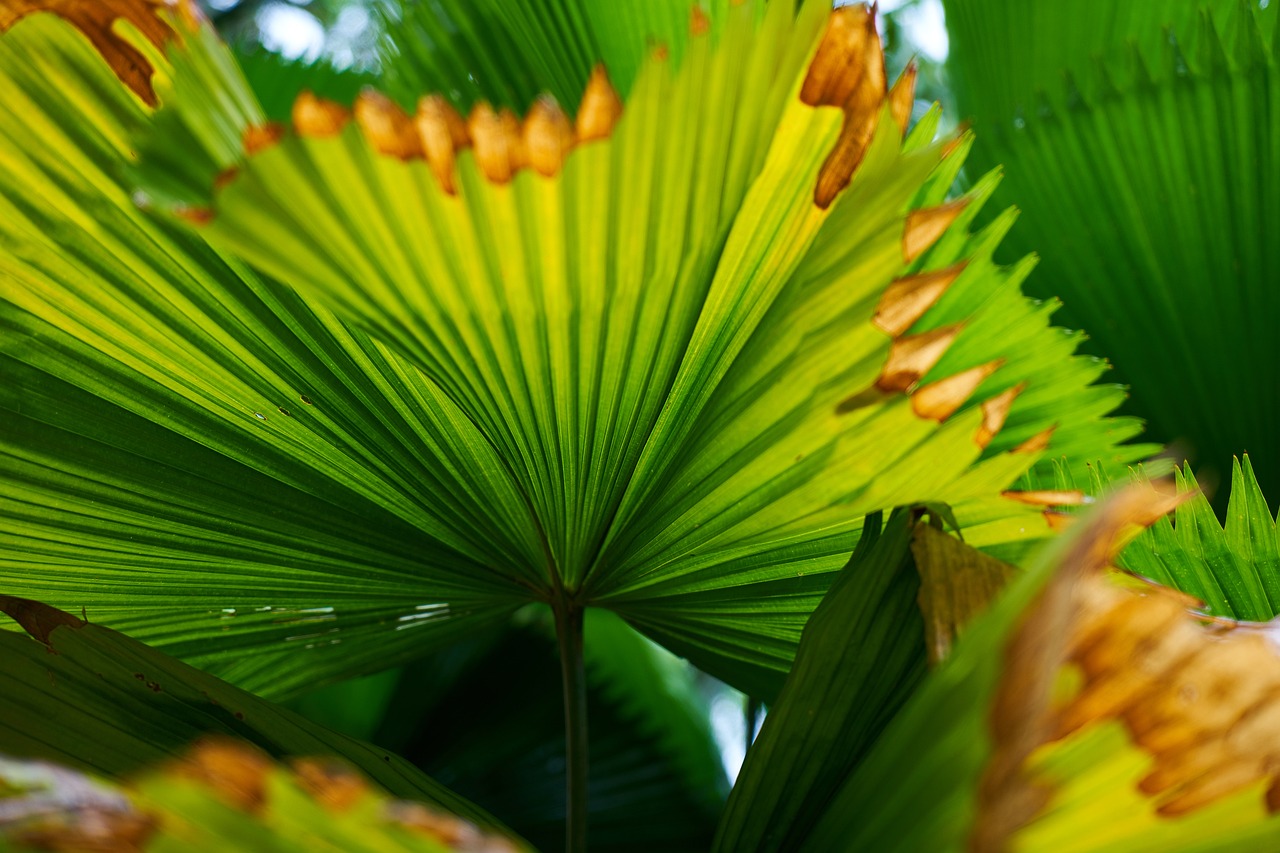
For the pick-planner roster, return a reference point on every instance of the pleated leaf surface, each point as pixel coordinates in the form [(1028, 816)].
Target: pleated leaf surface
[(1140, 141), (650, 378)]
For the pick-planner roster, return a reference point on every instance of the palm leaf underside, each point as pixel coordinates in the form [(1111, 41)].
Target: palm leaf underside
[(660, 357)]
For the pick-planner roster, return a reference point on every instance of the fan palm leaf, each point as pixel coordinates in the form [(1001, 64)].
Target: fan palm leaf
[(664, 362)]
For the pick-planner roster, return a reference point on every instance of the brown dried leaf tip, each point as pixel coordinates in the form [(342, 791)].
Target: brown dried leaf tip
[(1038, 442), (453, 832), (236, 771), (699, 23), (96, 19), (317, 117), (925, 226), (261, 137), (499, 147), (36, 618), (548, 136), (331, 783), (599, 109), (387, 128), (907, 299), (443, 134), (436, 133), (940, 400), (1048, 497), (912, 356), (957, 583), (902, 97), (994, 413), (847, 72)]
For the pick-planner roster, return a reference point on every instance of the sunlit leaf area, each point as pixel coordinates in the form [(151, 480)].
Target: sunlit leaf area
[(639, 425)]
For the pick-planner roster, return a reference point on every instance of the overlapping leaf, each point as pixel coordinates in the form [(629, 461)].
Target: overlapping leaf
[(94, 699), (1080, 713)]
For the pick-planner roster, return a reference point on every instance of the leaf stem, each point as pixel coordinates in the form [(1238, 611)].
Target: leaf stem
[(752, 719), (568, 616)]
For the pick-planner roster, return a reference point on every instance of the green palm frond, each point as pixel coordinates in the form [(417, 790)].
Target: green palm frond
[(1232, 568), (861, 658), (1139, 142), (668, 376), (147, 429)]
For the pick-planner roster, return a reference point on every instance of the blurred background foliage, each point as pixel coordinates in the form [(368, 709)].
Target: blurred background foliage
[(345, 35)]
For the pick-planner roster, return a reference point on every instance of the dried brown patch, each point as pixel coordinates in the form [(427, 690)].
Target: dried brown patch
[(599, 109), (386, 127), (498, 142), (925, 226), (1022, 716), (197, 215), (907, 299), (443, 134), (1038, 442), (847, 71), (957, 584), (331, 783), (225, 177), (36, 618), (939, 400), (234, 770), (1057, 521), (699, 23), (1048, 497), (1203, 701), (318, 118), (994, 413), (96, 19), (548, 136), (453, 832), (257, 138), (961, 136), (902, 97), (912, 356)]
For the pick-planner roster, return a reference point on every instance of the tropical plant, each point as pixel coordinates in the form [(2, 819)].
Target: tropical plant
[(289, 405), (1154, 120)]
